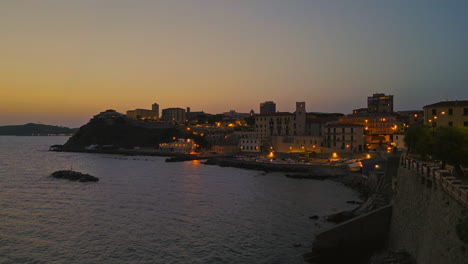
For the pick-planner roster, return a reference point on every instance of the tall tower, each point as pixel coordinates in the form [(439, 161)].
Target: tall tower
[(300, 118), (155, 109), (380, 103)]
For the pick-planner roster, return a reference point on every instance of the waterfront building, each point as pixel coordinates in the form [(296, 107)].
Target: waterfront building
[(174, 115), (374, 124), (248, 141), (180, 146), (297, 144), (380, 103), (346, 137), (281, 123), (267, 107), (447, 113), (227, 146)]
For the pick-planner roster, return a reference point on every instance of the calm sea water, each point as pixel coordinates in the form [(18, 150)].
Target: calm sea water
[(144, 210)]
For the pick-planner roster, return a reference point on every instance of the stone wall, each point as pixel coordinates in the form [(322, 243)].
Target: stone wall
[(354, 240), (428, 204)]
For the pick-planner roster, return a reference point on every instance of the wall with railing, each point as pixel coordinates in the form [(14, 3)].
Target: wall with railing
[(433, 177)]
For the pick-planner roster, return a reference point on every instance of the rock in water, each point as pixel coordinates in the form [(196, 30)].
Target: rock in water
[(74, 176)]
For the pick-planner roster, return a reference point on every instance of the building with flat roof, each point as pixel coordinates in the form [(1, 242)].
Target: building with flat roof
[(267, 107), (447, 113), (380, 103)]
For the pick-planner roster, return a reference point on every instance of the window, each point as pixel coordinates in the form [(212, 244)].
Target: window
[(434, 112), (450, 111), (465, 124), (450, 123), (465, 111)]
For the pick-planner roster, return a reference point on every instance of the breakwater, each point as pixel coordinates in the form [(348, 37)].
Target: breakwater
[(429, 204), (312, 169)]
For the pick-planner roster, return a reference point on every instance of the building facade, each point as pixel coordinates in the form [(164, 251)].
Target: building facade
[(180, 146), (374, 124), (346, 137), (297, 144), (248, 141), (142, 114), (173, 115), (448, 113)]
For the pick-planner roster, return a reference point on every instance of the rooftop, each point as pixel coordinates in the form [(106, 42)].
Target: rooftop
[(463, 103), (343, 125)]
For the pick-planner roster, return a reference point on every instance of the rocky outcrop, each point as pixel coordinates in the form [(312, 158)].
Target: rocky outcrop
[(74, 176), (114, 129)]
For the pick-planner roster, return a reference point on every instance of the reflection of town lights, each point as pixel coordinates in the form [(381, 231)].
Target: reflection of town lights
[(271, 155)]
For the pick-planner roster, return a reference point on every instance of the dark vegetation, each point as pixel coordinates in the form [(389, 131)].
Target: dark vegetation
[(449, 145)]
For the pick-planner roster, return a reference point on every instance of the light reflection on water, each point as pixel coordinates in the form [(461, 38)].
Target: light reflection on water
[(144, 210)]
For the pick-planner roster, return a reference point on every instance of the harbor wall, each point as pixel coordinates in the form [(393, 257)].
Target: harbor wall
[(427, 206)]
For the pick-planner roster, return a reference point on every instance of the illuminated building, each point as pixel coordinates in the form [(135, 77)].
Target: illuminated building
[(179, 146), (144, 114), (448, 113), (374, 124)]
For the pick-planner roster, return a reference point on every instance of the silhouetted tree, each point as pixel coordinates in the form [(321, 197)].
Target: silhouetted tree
[(419, 140), (451, 146)]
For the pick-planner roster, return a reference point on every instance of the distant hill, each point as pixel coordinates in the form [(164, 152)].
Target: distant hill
[(35, 130)]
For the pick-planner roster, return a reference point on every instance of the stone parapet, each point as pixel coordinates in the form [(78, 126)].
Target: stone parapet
[(433, 177)]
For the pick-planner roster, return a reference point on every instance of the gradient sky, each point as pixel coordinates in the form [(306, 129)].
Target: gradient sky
[(63, 61)]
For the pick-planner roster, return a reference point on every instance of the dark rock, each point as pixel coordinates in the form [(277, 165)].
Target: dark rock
[(314, 217), (74, 176), (340, 217)]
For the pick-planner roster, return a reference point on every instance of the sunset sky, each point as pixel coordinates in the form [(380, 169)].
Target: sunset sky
[(63, 61)]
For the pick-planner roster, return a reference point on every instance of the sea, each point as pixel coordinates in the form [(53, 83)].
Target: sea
[(144, 210)]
